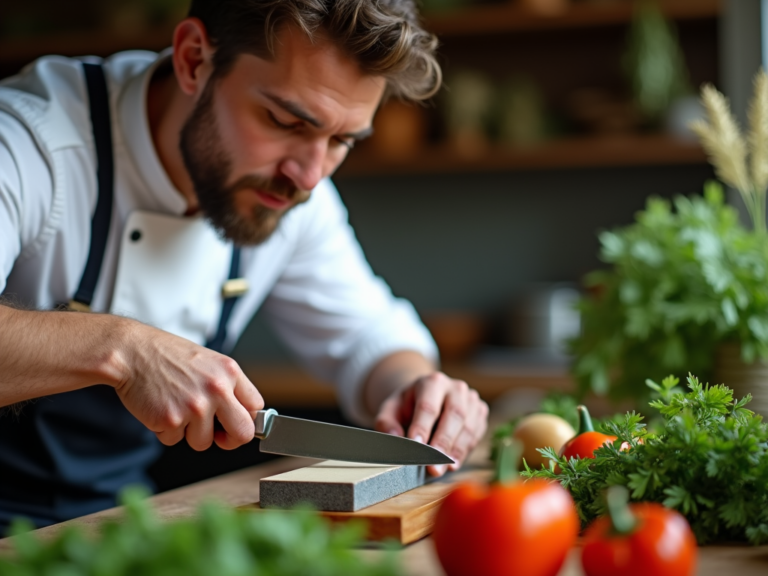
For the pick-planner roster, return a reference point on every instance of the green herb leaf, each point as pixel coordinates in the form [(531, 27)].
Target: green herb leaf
[(707, 457), (683, 278), (218, 541)]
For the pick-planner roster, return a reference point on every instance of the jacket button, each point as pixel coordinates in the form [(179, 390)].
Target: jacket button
[(136, 235)]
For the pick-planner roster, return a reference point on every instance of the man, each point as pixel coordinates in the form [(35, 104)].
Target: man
[(227, 140)]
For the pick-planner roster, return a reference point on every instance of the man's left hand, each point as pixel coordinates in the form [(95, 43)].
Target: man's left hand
[(436, 402)]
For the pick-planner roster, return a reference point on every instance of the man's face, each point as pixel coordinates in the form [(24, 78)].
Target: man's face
[(261, 138)]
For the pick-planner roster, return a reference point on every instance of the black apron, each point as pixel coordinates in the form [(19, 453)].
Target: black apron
[(70, 454)]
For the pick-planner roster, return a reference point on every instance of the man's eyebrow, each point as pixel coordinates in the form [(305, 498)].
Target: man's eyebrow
[(295, 109), (299, 112)]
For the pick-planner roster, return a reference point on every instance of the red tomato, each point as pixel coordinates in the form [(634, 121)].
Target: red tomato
[(584, 445), (586, 441), (661, 543), (505, 529)]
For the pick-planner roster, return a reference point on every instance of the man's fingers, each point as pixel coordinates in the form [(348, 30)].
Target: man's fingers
[(387, 420), (470, 435), (199, 432), (482, 419), (248, 395), (451, 423), (169, 427), (237, 423), (436, 402), (407, 401), (461, 447), (171, 436), (453, 419), (428, 402), (236, 407)]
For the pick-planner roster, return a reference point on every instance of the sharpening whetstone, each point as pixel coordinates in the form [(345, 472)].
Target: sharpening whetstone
[(406, 517), (338, 486)]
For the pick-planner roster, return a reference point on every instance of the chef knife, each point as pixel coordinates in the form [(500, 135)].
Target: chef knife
[(297, 437)]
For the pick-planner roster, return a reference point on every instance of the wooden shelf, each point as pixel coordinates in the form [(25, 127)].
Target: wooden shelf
[(513, 16), (581, 152), (507, 16), (97, 43)]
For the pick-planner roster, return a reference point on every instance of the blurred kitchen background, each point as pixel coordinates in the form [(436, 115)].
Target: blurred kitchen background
[(558, 119)]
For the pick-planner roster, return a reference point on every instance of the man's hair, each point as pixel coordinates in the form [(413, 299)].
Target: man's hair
[(383, 36)]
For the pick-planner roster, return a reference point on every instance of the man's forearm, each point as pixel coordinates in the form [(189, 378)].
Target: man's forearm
[(44, 353), (392, 373)]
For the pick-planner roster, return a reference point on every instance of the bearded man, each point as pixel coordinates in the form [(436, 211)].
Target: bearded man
[(141, 194)]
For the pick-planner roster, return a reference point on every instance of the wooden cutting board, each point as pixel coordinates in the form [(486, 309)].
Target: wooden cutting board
[(406, 517)]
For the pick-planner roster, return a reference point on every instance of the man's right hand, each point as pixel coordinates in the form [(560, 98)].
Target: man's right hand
[(171, 385), (176, 388)]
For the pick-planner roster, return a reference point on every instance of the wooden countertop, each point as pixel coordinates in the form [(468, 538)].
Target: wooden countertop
[(418, 559)]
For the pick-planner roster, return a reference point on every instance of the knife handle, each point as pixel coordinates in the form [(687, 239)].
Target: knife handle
[(263, 422)]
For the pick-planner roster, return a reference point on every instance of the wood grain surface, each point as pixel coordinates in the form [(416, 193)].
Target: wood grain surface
[(417, 559), (407, 517)]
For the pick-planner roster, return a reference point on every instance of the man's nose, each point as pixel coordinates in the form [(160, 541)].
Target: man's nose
[(306, 165)]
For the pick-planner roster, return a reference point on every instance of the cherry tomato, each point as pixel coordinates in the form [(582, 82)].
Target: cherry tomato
[(586, 441), (507, 528), (638, 540)]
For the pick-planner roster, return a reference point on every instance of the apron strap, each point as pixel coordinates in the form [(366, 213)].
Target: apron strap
[(102, 135), (217, 342), (98, 98)]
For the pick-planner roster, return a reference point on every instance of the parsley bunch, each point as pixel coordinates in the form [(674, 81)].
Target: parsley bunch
[(220, 542), (707, 458), (684, 278)]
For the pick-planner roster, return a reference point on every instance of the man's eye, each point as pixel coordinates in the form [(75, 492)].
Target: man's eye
[(348, 142), (279, 124)]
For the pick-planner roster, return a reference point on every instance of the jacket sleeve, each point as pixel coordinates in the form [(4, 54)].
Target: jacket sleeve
[(333, 312), (26, 190)]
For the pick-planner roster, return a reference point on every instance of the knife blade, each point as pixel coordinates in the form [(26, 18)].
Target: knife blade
[(297, 437)]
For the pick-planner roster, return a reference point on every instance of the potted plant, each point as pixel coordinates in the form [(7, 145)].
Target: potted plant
[(654, 63), (687, 282)]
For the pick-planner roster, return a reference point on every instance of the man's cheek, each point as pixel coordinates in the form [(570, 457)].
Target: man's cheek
[(258, 154)]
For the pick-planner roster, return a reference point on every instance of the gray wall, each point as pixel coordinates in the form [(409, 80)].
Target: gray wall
[(468, 241), (740, 51), (741, 55)]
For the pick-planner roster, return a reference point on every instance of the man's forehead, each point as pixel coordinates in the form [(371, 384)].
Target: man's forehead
[(296, 54), (311, 83)]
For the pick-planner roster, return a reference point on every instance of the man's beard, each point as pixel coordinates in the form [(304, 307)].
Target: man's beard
[(209, 167)]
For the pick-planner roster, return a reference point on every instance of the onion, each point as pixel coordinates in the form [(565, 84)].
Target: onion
[(539, 431)]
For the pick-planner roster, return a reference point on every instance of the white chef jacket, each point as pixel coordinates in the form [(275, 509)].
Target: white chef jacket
[(310, 276)]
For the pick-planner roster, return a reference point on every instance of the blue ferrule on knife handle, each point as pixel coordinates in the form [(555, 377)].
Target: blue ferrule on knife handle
[(263, 422)]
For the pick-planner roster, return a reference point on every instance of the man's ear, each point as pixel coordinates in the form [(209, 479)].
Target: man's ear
[(192, 56)]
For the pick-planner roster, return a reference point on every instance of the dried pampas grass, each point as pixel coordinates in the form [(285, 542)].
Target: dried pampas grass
[(742, 165)]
